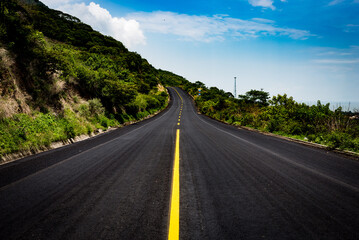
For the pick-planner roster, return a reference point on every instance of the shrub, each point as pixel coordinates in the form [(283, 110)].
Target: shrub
[(95, 107)]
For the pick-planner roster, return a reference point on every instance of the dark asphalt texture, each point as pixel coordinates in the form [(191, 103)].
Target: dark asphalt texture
[(234, 184)]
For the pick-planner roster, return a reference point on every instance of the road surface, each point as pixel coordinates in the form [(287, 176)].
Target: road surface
[(233, 184)]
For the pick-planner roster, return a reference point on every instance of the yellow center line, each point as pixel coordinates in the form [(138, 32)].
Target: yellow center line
[(173, 230), (180, 112), (173, 233)]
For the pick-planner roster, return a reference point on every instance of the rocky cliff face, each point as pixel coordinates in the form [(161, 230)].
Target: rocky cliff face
[(13, 98)]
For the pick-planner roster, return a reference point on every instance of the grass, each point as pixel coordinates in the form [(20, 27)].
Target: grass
[(23, 132), (333, 140)]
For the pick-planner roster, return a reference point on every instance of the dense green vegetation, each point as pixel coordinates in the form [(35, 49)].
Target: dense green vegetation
[(280, 114), (33, 132), (78, 79)]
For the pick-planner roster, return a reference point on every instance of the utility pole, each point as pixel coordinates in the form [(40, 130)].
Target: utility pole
[(235, 87)]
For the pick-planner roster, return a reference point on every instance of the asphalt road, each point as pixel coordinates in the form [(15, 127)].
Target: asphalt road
[(234, 184)]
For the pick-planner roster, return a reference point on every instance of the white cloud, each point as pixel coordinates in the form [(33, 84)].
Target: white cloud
[(336, 61), (262, 20), (350, 28), (57, 3), (335, 2), (336, 52), (127, 31), (214, 28), (337, 58), (262, 3)]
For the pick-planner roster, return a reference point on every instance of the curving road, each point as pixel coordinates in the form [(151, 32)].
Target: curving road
[(233, 184)]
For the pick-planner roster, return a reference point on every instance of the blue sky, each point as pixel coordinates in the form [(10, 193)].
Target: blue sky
[(307, 49)]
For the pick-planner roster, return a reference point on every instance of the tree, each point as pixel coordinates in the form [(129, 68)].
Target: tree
[(118, 92), (229, 95), (200, 84), (255, 96)]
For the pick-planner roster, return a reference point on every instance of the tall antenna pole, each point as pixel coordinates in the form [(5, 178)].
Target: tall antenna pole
[(235, 87)]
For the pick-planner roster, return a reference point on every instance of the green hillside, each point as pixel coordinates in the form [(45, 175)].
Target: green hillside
[(61, 79)]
